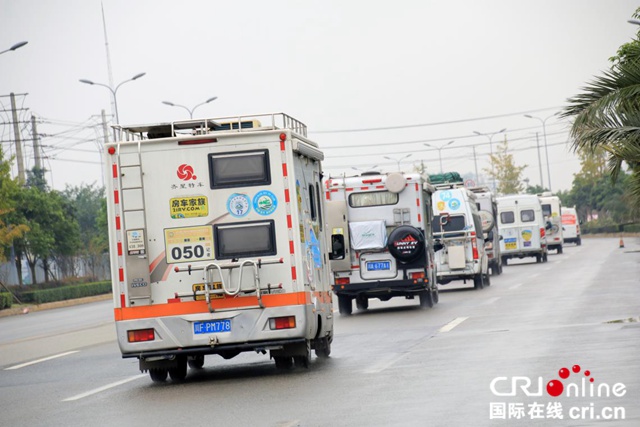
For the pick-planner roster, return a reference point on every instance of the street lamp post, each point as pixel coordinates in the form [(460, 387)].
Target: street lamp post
[(490, 136), (440, 151), (113, 91), (14, 47), (398, 160), (546, 149), (190, 110)]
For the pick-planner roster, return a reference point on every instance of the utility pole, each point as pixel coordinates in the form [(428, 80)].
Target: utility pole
[(36, 146), (539, 160), (16, 130), (105, 130), (475, 162)]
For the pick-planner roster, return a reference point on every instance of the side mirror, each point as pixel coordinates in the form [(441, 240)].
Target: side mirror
[(337, 247)]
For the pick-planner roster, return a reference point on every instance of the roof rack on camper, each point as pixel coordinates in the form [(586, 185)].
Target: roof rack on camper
[(256, 122)]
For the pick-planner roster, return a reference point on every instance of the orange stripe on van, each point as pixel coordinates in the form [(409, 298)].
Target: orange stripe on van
[(194, 307)]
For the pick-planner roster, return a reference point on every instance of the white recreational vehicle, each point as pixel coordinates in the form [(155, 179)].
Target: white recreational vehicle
[(457, 225), (522, 227), (571, 226), (217, 242), (551, 211), (381, 241), (488, 210)]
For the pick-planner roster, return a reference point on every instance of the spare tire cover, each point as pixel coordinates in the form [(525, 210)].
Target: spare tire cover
[(406, 243)]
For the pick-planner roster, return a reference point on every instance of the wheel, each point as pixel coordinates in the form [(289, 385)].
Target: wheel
[(538, 259), (579, 241), (544, 257), (283, 362), (362, 303), (426, 299), (435, 294), (559, 249), (499, 269), (344, 305), (487, 280), (477, 281), (179, 373), (197, 362), (158, 375), (504, 261), (323, 347)]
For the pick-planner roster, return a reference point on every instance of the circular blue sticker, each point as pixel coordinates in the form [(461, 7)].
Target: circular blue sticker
[(265, 202), (445, 195), (238, 205), (454, 204)]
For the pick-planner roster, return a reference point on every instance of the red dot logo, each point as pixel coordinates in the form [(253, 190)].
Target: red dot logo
[(564, 373), (576, 368), (185, 172), (555, 388)]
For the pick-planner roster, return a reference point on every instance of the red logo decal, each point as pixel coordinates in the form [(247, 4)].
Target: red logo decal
[(555, 387), (185, 172)]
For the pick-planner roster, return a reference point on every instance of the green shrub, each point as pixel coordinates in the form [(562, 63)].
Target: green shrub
[(6, 299), (66, 292)]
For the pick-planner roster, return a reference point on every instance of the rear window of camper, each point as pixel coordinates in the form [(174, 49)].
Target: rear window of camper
[(248, 239), (507, 217), (374, 198), (239, 169), (546, 210), (527, 215), (455, 223)]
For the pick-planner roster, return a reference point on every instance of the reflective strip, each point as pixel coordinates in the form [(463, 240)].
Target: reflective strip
[(195, 307), (116, 197), (119, 248), (121, 274), (284, 170), (114, 169), (117, 223)]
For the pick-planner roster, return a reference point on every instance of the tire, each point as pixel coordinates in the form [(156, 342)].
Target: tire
[(538, 259), (158, 375), (406, 243), (197, 362), (559, 249), (426, 299), (579, 241), (362, 303), (436, 294), (179, 373), (487, 281), (478, 281), (504, 261), (283, 362), (545, 257), (323, 347), (345, 307)]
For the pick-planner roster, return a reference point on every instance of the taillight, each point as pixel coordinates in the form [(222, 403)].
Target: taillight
[(542, 233), (418, 275), (474, 247), (141, 335), (342, 281), (288, 322)]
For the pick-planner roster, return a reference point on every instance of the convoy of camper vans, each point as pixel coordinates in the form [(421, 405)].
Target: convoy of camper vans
[(226, 237)]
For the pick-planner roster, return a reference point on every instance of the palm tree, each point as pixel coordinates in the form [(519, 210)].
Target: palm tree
[(607, 115)]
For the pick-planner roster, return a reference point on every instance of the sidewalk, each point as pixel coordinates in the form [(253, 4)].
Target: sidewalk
[(26, 308)]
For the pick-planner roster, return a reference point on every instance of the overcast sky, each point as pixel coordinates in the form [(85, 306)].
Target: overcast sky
[(369, 78)]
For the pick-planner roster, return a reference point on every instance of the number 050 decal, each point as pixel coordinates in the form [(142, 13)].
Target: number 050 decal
[(188, 244)]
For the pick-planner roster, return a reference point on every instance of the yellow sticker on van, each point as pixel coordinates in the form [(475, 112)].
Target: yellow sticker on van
[(189, 207)]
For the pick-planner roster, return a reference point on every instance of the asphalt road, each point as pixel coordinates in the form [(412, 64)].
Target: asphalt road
[(393, 365)]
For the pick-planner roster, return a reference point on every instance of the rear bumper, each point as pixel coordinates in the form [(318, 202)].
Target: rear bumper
[(382, 288)]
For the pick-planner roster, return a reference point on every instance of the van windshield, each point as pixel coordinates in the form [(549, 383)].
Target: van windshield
[(455, 223)]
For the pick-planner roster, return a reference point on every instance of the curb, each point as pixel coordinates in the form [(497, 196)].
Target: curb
[(26, 309)]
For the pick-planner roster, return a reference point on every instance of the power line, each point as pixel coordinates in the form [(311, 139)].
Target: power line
[(433, 123)]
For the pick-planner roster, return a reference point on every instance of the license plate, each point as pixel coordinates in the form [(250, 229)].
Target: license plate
[(378, 265), (198, 287), (212, 326)]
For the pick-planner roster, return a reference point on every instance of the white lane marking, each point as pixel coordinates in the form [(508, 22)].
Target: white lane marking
[(381, 366), (103, 388), (289, 423), (516, 286), (33, 362), (531, 276), (491, 300), (455, 322)]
